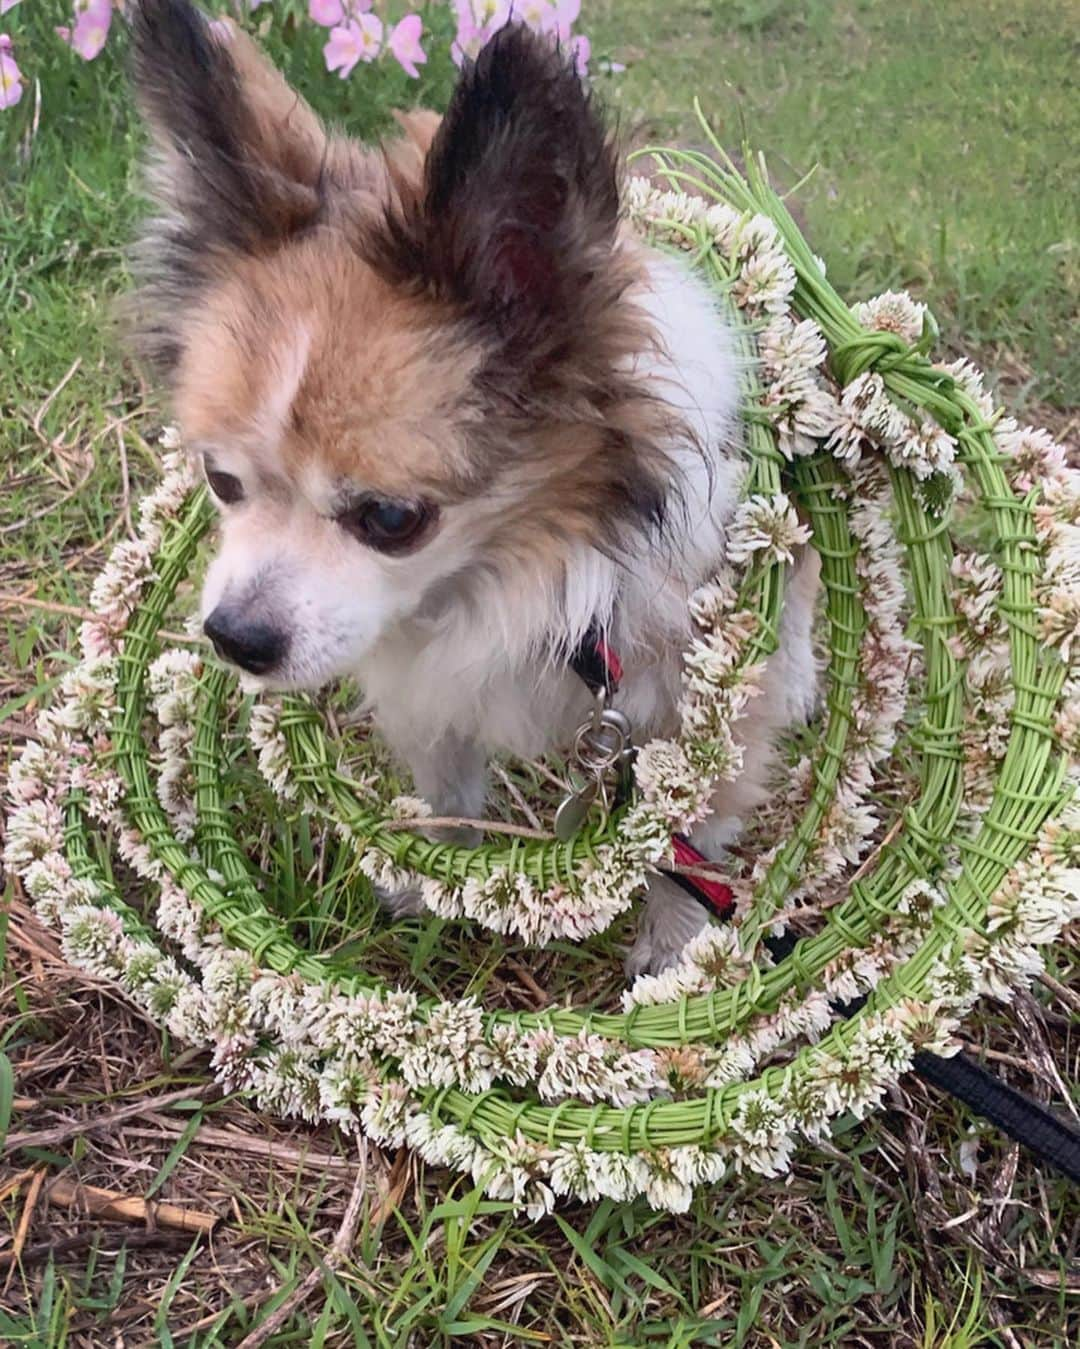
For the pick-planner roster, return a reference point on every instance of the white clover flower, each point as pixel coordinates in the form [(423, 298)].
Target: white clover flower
[(132, 848), (499, 901), (976, 591), (384, 875), (756, 234), (802, 422), (970, 379), (1059, 621), (1034, 455), (920, 900), (144, 967), (1033, 906), (286, 1081), (185, 1010), (879, 1039), (176, 779), (179, 919), (894, 311), (664, 1188), (590, 1068), (696, 1165), (92, 937), (953, 978), (450, 1049), (101, 789), (768, 526), (163, 504), (671, 785), (513, 1057), (32, 774), (1061, 565), (711, 604), (384, 1113), (89, 695), (618, 874), (343, 1092), (1006, 965), (509, 1174), (850, 1083), (765, 282), (268, 740), (792, 350), (578, 1171), (714, 659), (410, 808), (759, 1134), (733, 1061), (97, 640), (34, 830), (867, 413), (1059, 504), (924, 448), (52, 887), (173, 681), (928, 1026), (442, 1144), (441, 898), (619, 1176), (366, 1025), (117, 587)]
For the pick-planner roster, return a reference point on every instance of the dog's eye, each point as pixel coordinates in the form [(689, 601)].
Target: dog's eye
[(389, 526), (227, 488)]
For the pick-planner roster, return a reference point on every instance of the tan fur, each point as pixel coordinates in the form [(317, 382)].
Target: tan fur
[(378, 400)]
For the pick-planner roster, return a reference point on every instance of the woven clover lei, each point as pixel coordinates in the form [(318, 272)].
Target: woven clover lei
[(727, 1059)]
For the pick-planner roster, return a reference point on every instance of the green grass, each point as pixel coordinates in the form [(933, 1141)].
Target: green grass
[(944, 138)]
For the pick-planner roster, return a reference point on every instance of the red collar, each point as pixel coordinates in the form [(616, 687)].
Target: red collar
[(598, 666)]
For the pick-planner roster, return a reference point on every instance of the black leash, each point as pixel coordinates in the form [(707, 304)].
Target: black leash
[(1027, 1121), (962, 1076)]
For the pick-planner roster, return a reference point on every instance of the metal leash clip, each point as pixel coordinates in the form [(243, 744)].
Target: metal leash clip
[(602, 744)]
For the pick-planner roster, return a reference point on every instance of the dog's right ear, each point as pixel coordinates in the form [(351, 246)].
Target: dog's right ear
[(242, 154), (240, 162)]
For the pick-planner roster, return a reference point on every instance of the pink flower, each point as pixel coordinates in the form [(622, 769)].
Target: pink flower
[(539, 15), (10, 75), (404, 43), (92, 20), (332, 13), (478, 21), (358, 40), (565, 16), (5, 5), (581, 49)]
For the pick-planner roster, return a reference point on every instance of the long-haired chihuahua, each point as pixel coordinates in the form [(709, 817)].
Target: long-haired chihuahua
[(454, 414)]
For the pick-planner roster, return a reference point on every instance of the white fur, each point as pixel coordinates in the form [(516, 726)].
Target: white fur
[(452, 686)]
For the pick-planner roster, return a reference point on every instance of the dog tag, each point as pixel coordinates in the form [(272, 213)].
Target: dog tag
[(574, 808)]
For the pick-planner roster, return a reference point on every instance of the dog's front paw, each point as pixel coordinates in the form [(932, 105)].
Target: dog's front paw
[(404, 903), (671, 919)]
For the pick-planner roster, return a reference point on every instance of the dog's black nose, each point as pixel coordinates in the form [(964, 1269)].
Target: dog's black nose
[(256, 647)]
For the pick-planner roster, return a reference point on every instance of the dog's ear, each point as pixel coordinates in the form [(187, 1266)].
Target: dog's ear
[(240, 154), (519, 201)]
